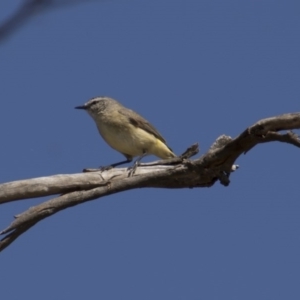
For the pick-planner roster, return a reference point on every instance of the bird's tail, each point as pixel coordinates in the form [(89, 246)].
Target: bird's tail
[(161, 150)]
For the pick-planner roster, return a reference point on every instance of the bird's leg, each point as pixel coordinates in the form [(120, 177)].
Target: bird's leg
[(119, 163), (115, 164), (101, 169), (136, 164)]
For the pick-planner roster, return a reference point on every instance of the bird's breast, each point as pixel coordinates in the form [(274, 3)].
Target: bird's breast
[(127, 138)]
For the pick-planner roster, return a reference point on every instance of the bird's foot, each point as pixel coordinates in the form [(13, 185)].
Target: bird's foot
[(100, 169), (133, 168), (105, 168)]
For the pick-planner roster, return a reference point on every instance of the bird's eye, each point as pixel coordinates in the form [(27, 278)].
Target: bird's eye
[(93, 103)]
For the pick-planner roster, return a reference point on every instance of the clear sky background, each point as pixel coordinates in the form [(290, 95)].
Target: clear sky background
[(196, 70)]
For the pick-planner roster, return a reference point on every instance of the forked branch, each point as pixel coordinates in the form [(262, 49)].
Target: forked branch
[(181, 172)]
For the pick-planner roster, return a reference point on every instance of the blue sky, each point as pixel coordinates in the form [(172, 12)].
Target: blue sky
[(196, 70)]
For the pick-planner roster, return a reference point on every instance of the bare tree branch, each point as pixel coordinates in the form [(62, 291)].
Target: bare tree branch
[(180, 172), (27, 10)]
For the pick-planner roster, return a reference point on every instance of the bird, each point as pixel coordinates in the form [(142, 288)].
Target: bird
[(126, 131)]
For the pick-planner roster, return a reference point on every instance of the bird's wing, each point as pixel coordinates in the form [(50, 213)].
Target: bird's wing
[(138, 121)]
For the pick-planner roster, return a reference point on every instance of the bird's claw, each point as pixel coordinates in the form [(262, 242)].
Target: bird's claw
[(132, 169), (105, 168), (100, 169)]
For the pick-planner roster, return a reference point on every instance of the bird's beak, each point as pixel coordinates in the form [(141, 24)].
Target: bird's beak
[(81, 107)]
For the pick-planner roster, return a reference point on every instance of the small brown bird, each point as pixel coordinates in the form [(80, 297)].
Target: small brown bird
[(126, 131)]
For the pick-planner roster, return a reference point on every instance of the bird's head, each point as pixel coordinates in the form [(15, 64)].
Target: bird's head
[(96, 106)]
